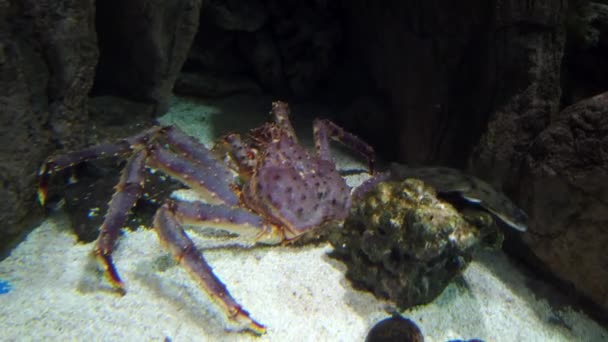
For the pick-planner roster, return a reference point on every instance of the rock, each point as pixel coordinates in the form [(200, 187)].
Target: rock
[(69, 52), (143, 46), (395, 329), (48, 53), (565, 187), (529, 91), (400, 242)]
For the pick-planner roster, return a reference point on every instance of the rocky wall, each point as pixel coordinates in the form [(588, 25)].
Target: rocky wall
[(51, 59), (48, 54)]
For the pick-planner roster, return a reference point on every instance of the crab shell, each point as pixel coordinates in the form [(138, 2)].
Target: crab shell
[(295, 189)]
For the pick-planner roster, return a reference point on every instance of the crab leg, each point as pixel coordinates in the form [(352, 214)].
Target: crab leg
[(281, 112), (183, 250), (234, 150), (369, 184), (194, 150), (230, 219), (128, 191), (122, 147), (324, 130), (209, 180)]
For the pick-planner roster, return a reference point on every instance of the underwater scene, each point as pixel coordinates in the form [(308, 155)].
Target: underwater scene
[(304, 171)]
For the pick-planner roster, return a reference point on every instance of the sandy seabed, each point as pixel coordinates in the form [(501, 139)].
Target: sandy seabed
[(298, 292)]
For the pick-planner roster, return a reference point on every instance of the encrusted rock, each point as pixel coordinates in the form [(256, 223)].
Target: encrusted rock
[(402, 243)]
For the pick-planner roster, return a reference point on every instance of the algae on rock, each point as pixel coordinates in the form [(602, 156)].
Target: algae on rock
[(402, 243)]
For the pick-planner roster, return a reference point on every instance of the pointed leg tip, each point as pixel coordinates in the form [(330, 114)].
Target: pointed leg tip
[(110, 272), (257, 328), (242, 318)]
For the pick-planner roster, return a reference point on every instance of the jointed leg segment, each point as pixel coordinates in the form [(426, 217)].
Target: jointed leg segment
[(183, 250), (128, 191), (324, 130), (191, 163)]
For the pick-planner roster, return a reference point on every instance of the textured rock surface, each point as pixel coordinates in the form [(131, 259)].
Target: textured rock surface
[(401, 243), (528, 49), (66, 45), (48, 56), (566, 184), (47, 59)]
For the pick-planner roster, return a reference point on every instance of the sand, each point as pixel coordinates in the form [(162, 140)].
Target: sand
[(299, 293)]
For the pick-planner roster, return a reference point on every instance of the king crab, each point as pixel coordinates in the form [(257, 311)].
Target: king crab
[(265, 188)]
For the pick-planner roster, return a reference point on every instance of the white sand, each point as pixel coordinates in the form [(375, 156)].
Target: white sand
[(299, 293)]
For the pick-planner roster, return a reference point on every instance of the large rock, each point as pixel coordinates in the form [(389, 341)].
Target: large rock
[(48, 54), (528, 50), (48, 57), (402, 243), (565, 187)]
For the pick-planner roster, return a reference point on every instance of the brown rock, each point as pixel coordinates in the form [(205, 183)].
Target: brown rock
[(566, 177), (47, 57), (528, 49)]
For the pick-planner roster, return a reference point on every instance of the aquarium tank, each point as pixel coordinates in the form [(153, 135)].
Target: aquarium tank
[(269, 170)]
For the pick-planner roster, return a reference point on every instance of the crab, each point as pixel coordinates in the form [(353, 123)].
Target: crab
[(264, 187)]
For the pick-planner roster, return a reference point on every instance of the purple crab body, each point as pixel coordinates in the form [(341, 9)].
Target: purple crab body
[(264, 187), (297, 190)]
